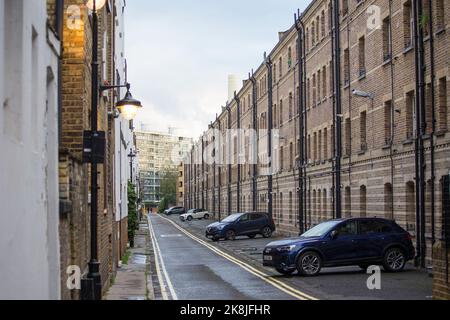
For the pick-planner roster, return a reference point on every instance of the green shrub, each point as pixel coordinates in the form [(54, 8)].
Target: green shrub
[(133, 223)]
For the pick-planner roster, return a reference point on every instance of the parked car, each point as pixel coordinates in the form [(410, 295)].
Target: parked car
[(344, 242), (195, 214), (247, 224), (174, 210)]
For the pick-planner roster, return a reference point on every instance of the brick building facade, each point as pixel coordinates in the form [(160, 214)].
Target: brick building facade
[(74, 176), (371, 126)]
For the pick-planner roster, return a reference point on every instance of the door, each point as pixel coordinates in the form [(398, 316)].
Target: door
[(372, 238), (342, 247), (199, 213), (244, 225), (258, 222)]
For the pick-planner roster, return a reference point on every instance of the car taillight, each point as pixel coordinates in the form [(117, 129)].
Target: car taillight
[(408, 237)]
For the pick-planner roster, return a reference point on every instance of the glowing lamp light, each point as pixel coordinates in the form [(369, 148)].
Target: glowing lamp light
[(129, 106), (98, 4)]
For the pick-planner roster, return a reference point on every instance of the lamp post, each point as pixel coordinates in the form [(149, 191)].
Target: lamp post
[(94, 153), (132, 155)]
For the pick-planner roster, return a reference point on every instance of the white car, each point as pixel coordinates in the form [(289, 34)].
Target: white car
[(195, 214)]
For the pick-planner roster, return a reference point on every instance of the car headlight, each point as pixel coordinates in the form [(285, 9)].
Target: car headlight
[(286, 248)]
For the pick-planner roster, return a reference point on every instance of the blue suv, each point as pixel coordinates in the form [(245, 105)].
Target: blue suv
[(344, 242), (241, 224)]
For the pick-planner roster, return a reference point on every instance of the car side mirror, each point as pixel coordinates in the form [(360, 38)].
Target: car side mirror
[(334, 234)]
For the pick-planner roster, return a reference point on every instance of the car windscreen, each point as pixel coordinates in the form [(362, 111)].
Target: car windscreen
[(232, 218), (321, 229), (191, 211)]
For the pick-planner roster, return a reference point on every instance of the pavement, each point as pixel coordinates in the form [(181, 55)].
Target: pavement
[(131, 281), (343, 283)]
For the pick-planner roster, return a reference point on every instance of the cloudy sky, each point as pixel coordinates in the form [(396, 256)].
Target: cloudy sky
[(181, 52)]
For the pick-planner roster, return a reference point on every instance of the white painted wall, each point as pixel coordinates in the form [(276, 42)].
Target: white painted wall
[(29, 242), (123, 134)]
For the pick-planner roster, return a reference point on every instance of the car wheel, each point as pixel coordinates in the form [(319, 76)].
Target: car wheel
[(309, 264), (189, 218), (394, 260), (230, 235), (266, 232), (206, 216), (252, 236), (215, 239), (285, 272)]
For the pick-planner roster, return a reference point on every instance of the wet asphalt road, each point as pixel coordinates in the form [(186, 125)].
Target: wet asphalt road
[(344, 283), (198, 273)]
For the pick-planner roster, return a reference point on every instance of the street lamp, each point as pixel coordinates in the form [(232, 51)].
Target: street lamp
[(94, 153), (132, 155), (128, 106)]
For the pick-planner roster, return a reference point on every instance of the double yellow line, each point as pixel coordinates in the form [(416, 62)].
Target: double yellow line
[(263, 276), (161, 268)]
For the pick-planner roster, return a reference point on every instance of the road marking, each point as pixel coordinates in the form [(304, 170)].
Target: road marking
[(157, 251), (267, 278)]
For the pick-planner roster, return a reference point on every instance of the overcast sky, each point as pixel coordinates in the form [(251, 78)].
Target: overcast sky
[(181, 52)]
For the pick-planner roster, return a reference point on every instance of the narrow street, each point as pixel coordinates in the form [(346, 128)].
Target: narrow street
[(194, 268), (191, 271)]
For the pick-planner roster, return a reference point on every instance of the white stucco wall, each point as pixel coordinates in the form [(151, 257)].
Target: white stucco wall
[(29, 242), (123, 134)]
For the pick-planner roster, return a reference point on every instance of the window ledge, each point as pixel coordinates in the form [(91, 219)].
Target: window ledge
[(440, 133), (347, 85), (408, 142), (440, 31), (362, 76), (386, 147), (362, 152), (387, 61), (408, 49)]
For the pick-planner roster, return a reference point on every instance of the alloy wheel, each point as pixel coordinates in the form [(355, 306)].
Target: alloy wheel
[(310, 264), (395, 260), (230, 235), (267, 232)]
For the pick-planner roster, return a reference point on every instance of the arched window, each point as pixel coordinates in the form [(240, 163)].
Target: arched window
[(410, 202), (348, 202), (388, 201), (289, 62), (280, 66), (363, 201)]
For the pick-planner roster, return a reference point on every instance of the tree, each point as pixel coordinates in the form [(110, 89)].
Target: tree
[(133, 222), (168, 187)]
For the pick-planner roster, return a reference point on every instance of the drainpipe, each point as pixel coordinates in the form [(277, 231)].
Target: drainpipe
[(337, 110), (203, 174), (433, 111), (268, 62), (255, 148), (421, 127), (229, 159), (301, 107), (238, 110), (220, 177), (393, 126), (214, 174)]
